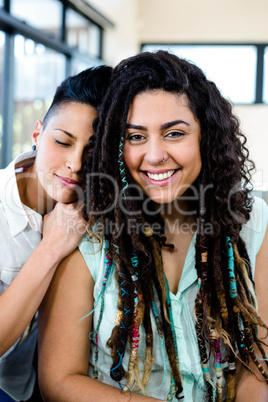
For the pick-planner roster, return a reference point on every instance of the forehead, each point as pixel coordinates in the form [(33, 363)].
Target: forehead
[(67, 109), (72, 113), (159, 105), (74, 118)]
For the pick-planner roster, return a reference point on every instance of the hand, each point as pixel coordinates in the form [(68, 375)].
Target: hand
[(63, 229)]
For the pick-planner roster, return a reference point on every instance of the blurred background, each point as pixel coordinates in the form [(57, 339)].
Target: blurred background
[(44, 41)]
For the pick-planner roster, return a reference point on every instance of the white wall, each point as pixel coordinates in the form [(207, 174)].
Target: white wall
[(138, 21), (203, 20), (122, 41), (254, 123)]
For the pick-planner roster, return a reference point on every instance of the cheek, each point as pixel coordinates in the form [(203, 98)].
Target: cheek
[(196, 160), (194, 154), (47, 161), (131, 159)]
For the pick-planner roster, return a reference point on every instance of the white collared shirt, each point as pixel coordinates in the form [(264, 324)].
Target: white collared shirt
[(20, 233)]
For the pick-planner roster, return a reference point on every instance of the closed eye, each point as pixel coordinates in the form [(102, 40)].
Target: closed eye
[(63, 144)]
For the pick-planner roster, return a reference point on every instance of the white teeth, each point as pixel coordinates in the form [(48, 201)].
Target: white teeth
[(161, 176)]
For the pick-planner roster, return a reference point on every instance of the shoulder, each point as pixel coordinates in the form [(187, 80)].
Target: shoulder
[(93, 252), (71, 266), (71, 277)]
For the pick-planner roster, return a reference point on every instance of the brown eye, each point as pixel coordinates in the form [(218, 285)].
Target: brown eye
[(175, 134), (135, 137)]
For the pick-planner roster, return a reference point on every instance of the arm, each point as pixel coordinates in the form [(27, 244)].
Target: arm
[(63, 339), (249, 388), (21, 299)]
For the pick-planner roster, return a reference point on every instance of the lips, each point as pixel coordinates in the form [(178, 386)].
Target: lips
[(69, 183)]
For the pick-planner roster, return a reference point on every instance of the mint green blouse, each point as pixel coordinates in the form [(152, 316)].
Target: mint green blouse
[(193, 382)]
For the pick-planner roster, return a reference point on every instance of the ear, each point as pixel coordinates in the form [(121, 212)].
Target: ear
[(37, 132)]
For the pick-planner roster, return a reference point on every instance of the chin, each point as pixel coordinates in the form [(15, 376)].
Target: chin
[(68, 196), (162, 199), (68, 200), (64, 198)]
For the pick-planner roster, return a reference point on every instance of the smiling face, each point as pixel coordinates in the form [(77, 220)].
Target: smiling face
[(162, 145), (61, 147)]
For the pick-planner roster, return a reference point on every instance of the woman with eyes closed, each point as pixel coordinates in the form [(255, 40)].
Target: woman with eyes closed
[(41, 220), (166, 295)]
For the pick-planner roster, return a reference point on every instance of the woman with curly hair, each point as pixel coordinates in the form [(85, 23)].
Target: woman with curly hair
[(171, 281)]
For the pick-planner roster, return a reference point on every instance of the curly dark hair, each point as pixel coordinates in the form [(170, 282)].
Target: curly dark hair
[(221, 258)]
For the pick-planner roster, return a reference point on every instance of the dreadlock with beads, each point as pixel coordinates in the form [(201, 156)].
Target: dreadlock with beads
[(225, 306)]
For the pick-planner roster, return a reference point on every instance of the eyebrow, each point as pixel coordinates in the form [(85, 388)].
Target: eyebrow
[(66, 132), (162, 127)]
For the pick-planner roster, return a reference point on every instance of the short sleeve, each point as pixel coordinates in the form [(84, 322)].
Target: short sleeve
[(93, 253)]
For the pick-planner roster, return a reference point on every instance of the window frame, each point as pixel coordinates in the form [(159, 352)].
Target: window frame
[(260, 47), (12, 26)]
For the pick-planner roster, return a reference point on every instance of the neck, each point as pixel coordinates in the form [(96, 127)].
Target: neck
[(180, 216)]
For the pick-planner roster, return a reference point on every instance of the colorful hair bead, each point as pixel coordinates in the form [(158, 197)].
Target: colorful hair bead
[(232, 281), (215, 341)]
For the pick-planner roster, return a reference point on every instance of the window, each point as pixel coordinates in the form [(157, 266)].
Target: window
[(80, 64), (43, 42), (42, 14), (265, 79), (233, 68), (38, 71), (82, 34)]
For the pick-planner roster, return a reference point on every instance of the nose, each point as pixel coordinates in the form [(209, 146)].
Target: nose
[(155, 153), (74, 163)]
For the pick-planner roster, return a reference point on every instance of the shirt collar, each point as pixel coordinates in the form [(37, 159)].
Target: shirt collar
[(9, 196)]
